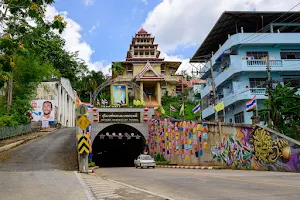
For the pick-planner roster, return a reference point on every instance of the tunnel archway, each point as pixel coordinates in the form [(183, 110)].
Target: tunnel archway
[(117, 146)]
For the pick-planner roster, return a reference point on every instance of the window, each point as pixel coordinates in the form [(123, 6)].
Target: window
[(290, 55), (239, 117), (257, 55), (257, 82), (295, 82)]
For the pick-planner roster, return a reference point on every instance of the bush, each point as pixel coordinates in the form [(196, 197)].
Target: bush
[(162, 162)]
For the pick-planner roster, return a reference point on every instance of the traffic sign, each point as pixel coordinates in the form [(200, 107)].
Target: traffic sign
[(83, 122), (83, 143), (82, 109)]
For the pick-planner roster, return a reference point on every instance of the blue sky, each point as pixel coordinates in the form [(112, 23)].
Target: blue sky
[(101, 30), (107, 26)]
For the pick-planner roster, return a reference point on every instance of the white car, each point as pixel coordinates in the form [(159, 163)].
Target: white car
[(144, 161)]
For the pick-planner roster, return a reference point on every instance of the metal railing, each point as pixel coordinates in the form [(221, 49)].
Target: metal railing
[(11, 131), (255, 63)]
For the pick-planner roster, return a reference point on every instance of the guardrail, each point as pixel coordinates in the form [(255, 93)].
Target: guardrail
[(11, 131)]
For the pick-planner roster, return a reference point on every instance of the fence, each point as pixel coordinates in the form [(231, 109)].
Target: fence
[(7, 131)]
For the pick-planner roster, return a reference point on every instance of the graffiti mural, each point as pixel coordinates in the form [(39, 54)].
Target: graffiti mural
[(258, 149), (182, 141)]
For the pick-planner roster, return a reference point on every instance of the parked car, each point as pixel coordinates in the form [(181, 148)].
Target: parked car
[(144, 161)]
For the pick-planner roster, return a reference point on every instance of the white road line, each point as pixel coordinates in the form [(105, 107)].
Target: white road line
[(101, 188), (140, 189), (87, 191)]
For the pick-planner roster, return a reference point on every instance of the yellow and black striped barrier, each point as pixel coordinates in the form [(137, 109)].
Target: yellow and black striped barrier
[(83, 143)]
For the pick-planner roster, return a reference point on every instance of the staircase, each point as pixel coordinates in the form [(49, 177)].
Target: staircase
[(152, 103)]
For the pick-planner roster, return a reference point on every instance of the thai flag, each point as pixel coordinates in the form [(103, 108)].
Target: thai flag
[(172, 108), (196, 109), (104, 101), (251, 104)]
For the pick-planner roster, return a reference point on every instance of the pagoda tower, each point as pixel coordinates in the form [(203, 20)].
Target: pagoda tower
[(143, 66)]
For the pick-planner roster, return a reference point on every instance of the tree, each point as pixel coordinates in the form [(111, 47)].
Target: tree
[(15, 22), (117, 69), (284, 110)]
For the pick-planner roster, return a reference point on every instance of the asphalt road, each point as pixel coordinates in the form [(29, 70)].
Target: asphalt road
[(56, 150), (191, 184), (42, 169)]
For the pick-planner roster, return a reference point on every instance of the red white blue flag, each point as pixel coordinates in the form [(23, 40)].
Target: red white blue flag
[(251, 104), (172, 108), (196, 109)]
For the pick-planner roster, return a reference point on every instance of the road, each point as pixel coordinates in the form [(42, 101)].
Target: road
[(42, 169), (191, 184), (45, 169)]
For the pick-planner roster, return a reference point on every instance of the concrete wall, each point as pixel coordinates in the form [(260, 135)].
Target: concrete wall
[(236, 146), (62, 92), (97, 127)]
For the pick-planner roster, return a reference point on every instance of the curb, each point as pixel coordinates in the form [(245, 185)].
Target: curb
[(190, 167), (15, 144)]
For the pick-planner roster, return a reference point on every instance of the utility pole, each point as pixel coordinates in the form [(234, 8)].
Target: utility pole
[(213, 84), (182, 95), (9, 92), (269, 85)]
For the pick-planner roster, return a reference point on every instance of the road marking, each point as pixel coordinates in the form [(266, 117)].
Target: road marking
[(252, 181), (101, 188), (140, 189), (87, 191)]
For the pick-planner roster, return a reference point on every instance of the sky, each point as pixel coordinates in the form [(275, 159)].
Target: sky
[(101, 30)]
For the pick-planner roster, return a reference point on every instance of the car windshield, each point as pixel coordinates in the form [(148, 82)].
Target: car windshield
[(146, 158)]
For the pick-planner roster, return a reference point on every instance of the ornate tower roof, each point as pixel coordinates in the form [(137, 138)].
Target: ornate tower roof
[(142, 48)]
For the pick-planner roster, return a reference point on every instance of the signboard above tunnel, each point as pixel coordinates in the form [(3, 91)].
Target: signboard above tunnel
[(120, 117)]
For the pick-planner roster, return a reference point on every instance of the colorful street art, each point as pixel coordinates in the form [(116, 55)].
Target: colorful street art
[(258, 149), (185, 139)]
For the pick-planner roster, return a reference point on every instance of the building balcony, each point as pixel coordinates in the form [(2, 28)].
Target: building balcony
[(236, 96), (259, 38), (238, 65), (172, 79)]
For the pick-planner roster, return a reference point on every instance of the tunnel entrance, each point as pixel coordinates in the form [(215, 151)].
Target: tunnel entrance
[(117, 146)]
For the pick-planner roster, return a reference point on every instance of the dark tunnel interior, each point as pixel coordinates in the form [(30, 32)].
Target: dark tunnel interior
[(117, 151)]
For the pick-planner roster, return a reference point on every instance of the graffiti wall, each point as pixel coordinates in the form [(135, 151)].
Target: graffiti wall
[(235, 146), (182, 142), (257, 148)]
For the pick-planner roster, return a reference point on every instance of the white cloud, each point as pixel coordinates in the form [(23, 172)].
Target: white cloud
[(92, 29), (178, 24), (74, 42), (88, 2)]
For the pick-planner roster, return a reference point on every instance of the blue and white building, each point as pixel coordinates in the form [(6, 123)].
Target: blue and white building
[(238, 48)]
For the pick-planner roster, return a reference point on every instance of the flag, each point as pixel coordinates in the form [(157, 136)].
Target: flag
[(219, 106), (104, 101), (98, 102), (251, 104), (196, 108), (162, 110), (172, 108), (181, 109)]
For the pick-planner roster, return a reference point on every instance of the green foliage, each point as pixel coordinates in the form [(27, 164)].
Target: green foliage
[(117, 69), (176, 102), (284, 110)]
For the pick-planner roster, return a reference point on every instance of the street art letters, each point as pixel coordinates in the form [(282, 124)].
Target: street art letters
[(259, 149)]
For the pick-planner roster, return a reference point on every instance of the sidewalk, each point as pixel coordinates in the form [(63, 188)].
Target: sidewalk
[(190, 167)]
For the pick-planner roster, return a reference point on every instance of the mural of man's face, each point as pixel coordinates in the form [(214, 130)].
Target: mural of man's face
[(47, 108)]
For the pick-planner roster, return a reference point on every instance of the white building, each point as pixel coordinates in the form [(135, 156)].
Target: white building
[(62, 97)]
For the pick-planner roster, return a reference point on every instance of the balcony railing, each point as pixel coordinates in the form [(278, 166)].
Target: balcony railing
[(258, 91), (255, 63)]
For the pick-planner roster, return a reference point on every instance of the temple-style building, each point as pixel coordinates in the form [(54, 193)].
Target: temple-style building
[(143, 66)]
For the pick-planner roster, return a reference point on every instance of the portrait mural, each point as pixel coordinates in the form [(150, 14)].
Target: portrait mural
[(44, 110), (119, 94)]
